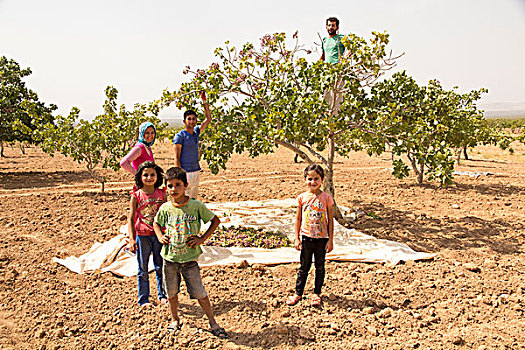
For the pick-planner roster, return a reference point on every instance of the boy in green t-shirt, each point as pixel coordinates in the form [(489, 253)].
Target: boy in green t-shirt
[(177, 226)]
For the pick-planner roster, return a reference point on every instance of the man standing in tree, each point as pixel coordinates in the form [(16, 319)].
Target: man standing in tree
[(187, 146), (333, 49), (333, 52)]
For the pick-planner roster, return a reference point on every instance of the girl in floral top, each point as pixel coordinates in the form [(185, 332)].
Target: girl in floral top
[(146, 199), (314, 232)]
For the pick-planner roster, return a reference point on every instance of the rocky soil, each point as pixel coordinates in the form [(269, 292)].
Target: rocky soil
[(472, 296)]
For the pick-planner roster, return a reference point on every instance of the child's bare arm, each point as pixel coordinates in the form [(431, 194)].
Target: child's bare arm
[(164, 239), (298, 220), (132, 244), (330, 244), (194, 241), (178, 149)]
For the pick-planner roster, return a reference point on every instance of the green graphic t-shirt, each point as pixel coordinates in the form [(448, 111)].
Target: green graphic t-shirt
[(179, 224)]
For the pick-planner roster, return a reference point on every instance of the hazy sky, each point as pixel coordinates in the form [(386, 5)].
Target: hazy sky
[(77, 48)]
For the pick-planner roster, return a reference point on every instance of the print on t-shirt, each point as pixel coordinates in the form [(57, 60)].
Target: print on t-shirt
[(314, 214), (149, 210), (180, 229)]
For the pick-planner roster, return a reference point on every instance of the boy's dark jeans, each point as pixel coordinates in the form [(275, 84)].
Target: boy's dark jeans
[(315, 247)]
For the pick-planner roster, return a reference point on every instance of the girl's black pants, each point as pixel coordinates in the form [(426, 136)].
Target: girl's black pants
[(311, 247)]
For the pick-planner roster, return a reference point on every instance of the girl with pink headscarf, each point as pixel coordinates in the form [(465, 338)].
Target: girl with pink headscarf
[(141, 152)]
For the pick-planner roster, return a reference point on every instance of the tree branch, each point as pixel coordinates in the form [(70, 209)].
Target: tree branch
[(295, 149), (314, 153)]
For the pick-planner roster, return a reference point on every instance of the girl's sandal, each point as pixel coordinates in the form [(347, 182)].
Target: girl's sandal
[(174, 327), (316, 300), (219, 333), (293, 300)]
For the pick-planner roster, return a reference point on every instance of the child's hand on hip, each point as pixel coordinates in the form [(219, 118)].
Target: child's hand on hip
[(165, 239), (194, 241)]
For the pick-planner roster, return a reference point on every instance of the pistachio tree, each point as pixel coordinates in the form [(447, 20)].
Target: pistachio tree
[(119, 126), (275, 95), (103, 141), (78, 139), (21, 111), (427, 124)]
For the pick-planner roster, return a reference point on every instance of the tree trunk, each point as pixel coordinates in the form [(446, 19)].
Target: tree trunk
[(421, 173), (328, 184), (465, 154), (328, 187), (101, 179), (415, 167), (2, 149), (458, 155), (302, 155), (22, 148)]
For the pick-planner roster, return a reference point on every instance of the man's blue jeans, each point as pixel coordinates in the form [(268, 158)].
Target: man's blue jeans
[(147, 245)]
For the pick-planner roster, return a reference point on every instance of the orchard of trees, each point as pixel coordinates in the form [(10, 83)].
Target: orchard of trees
[(100, 142), (21, 112), (274, 94), (270, 95), (104, 140)]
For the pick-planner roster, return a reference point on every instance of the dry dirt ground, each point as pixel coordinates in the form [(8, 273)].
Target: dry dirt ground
[(470, 297)]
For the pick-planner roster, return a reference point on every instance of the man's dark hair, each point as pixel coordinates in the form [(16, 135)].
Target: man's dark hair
[(146, 165), (189, 112), (176, 173), (333, 19)]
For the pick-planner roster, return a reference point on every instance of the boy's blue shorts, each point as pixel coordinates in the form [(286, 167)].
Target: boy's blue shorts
[(190, 271)]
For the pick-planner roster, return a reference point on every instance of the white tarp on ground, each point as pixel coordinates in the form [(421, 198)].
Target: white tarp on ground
[(475, 174), (110, 256), (271, 215)]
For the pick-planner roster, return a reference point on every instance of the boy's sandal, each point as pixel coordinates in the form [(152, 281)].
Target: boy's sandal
[(293, 300), (219, 333), (174, 327), (316, 300)]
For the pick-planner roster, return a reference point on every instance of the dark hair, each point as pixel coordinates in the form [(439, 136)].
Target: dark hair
[(315, 167), (146, 165), (176, 173), (333, 19), (189, 112)]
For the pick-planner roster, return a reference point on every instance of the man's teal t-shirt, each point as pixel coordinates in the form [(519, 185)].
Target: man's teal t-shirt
[(179, 224), (333, 48)]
